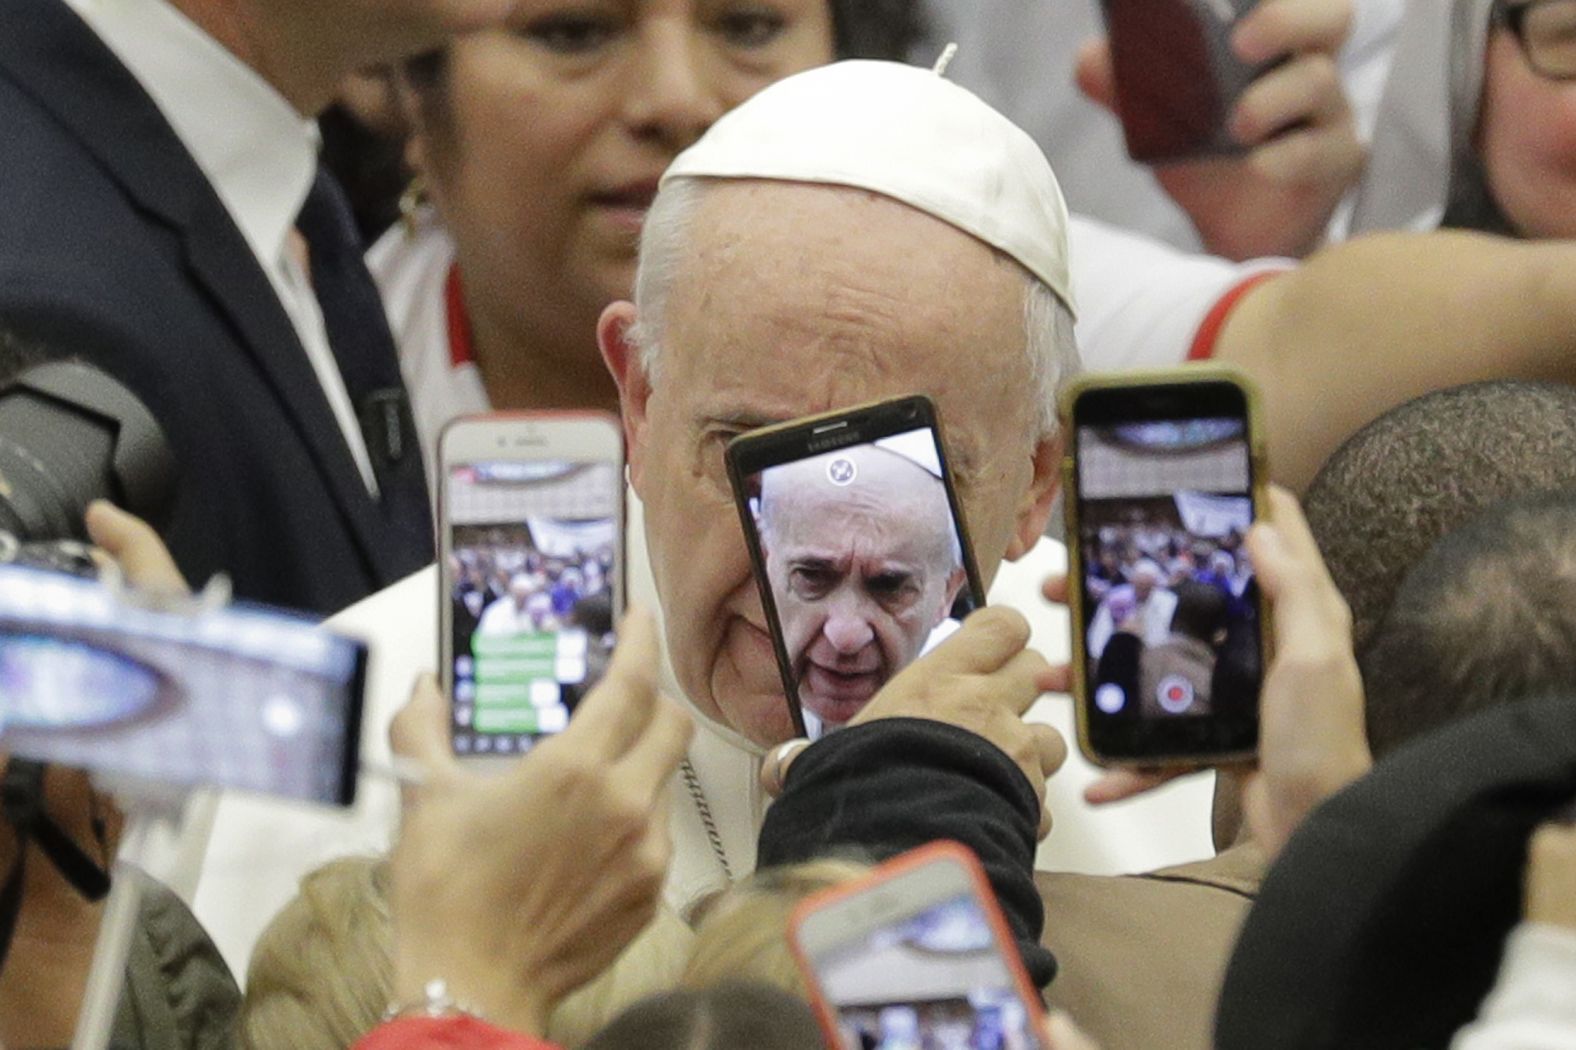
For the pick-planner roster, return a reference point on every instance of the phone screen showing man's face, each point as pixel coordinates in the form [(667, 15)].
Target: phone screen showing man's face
[(864, 566), (532, 597), (1169, 597)]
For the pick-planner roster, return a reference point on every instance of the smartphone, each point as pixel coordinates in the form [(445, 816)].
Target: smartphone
[(1177, 78), (1163, 478), (860, 550), (531, 571), (916, 954), (241, 696)]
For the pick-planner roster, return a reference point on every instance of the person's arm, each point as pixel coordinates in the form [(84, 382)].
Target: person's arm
[(892, 785), (1363, 326), (517, 886), (941, 752), (1532, 1006)]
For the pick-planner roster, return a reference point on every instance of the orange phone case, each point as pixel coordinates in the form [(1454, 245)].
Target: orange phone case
[(944, 852)]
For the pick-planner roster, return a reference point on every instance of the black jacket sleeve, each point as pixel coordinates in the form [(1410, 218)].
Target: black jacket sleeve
[(891, 785)]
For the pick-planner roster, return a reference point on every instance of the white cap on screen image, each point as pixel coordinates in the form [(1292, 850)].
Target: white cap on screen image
[(906, 133)]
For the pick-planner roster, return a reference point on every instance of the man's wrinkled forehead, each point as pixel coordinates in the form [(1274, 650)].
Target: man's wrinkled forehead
[(792, 299)]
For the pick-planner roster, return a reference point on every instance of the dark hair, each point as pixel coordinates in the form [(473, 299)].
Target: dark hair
[(722, 1017), (1403, 481), (1488, 616), (887, 29), (1200, 610)]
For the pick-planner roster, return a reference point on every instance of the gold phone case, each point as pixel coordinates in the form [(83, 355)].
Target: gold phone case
[(1181, 375)]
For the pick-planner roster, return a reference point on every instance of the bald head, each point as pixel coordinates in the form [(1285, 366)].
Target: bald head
[(1399, 484)]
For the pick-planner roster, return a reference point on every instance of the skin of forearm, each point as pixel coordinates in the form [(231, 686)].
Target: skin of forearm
[(1366, 325)]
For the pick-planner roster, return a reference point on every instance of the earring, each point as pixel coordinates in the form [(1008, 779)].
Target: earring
[(411, 203)]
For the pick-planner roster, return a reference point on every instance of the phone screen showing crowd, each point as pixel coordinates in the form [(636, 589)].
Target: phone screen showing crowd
[(1171, 624), (532, 556)]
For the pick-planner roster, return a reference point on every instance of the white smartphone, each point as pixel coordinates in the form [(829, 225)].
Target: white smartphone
[(531, 571), (241, 696), (916, 954)]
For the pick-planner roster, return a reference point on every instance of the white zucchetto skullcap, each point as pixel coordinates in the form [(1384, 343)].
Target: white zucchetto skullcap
[(906, 133)]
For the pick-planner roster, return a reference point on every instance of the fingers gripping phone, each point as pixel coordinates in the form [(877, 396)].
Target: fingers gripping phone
[(531, 571), (1177, 78), (859, 548), (1164, 476), (917, 954)]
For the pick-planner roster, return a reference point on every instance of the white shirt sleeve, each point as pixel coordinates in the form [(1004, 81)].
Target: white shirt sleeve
[(1533, 1005), (1140, 301)]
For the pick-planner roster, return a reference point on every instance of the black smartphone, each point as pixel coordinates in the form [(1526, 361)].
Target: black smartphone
[(859, 546), (241, 696), (1177, 78), (1163, 478), (531, 538)]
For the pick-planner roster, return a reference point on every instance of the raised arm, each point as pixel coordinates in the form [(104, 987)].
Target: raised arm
[(1366, 325)]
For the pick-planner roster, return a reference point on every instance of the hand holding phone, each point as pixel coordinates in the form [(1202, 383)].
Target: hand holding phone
[(531, 531), (1176, 75), (1292, 128), (576, 845), (916, 954), (1312, 739), (1163, 482), (859, 549)]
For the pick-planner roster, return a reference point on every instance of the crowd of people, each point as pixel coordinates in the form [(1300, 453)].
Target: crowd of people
[(693, 214), (505, 585)]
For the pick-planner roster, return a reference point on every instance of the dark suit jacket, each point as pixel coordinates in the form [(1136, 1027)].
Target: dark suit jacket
[(114, 247)]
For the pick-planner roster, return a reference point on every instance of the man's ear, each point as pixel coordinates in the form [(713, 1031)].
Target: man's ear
[(955, 583), (622, 357), (1034, 509)]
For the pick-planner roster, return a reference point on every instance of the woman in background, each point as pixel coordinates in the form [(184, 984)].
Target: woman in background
[(540, 146), (1477, 129)]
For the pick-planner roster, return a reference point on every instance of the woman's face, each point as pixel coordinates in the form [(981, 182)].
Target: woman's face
[(1527, 139), (555, 129)]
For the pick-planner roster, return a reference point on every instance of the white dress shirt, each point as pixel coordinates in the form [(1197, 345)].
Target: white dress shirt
[(258, 153), (1533, 1005)]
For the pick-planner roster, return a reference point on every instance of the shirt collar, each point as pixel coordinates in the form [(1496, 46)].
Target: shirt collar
[(259, 154)]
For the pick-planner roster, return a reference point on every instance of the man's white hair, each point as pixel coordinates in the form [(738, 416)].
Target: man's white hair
[(1048, 324)]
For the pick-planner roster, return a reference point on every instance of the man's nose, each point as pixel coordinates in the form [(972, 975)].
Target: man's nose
[(671, 96), (847, 629)]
